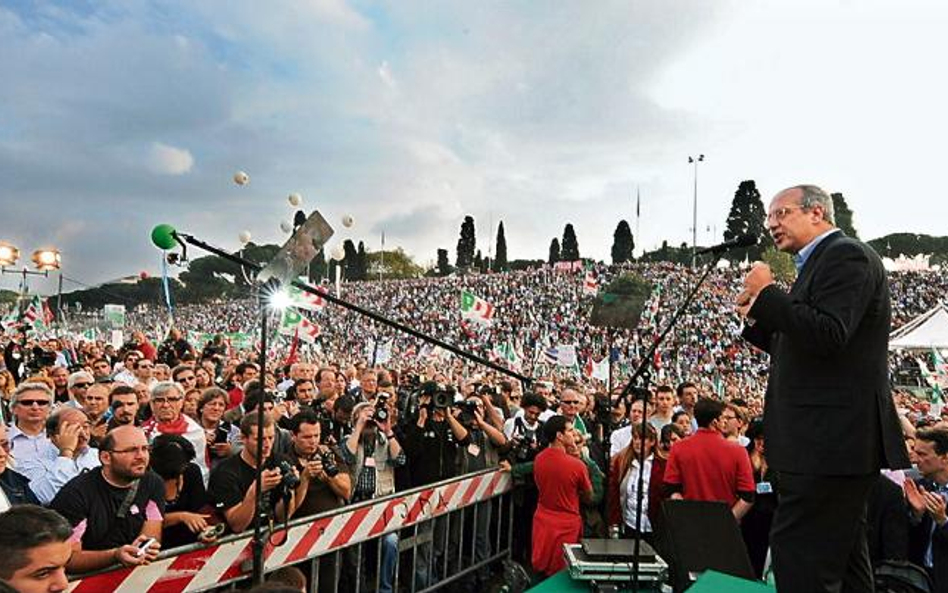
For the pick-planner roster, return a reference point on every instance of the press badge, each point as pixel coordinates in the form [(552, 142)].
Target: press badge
[(370, 462), (474, 450), (764, 488)]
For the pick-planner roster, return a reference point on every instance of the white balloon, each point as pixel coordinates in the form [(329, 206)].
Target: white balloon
[(241, 178), (338, 253), (244, 237), (347, 220), (286, 226), (295, 199)]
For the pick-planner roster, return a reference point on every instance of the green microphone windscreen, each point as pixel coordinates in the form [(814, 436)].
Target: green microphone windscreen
[(163, 236)]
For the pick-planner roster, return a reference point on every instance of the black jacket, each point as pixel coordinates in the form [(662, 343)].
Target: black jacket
[(829, 408)]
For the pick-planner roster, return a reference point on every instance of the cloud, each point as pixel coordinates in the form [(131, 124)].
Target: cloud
[(169, 160)]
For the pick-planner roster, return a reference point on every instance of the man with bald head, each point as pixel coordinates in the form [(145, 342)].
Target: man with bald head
[(830, 423), (116, 506)]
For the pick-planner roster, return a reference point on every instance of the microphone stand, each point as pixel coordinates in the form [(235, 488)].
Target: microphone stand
[(640, 384), (260, 510)]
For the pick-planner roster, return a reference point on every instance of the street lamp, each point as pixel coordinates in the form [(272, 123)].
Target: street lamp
[(45, 261), (694, 215)]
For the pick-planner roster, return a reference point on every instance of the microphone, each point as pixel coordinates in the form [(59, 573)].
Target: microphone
[(745, 240)]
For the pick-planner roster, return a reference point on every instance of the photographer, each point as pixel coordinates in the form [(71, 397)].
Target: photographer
[(373, 452), (233, 486), (325, 483), (479, 451), (433, 444)]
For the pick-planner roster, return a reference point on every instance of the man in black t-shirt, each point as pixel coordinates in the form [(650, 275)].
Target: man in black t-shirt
[(232, 487), (116, 507)]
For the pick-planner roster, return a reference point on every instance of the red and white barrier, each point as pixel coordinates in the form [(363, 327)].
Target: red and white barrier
[(214, 566)]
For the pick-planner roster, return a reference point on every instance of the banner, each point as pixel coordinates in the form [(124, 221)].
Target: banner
[(114, 316), (476, 309)]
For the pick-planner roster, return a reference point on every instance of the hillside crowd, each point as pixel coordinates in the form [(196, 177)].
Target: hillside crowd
[(153, 444)]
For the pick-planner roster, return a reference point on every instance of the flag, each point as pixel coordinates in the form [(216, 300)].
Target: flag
[(566, 355), (941, 367), (10, 320), (306, 300), (294, 323), (931, 378), (590, 284), (476, 309), (506, 353), (597, 370), (90, 335)]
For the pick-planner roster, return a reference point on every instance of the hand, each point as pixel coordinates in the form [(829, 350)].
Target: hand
[(314, 469), (505, 465), (98, 431), (936, 506), (757, 279), (744, 305), (196, 522), (915, 497), (67, 437), (271, 478)]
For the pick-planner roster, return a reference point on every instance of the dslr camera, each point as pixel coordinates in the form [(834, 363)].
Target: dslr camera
[(468, 408), (289, 480), (328, 460), (381, 413)]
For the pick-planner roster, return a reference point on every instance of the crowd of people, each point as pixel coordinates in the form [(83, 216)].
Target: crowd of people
[(154, 444)]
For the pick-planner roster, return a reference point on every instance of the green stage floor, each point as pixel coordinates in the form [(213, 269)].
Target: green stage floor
[(710, 582)]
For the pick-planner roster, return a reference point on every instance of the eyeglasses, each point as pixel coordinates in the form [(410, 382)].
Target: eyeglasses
[(781, 213), (190, 378), (167, 400), (26, 403), (571, 402), (82, 385), (142, 449)]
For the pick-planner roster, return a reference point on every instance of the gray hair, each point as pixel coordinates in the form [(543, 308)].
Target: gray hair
[(25, 387), (75, 377), (160, 388), (814, 195)]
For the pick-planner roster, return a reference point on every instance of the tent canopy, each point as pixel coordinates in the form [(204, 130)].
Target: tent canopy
[(928, 330)]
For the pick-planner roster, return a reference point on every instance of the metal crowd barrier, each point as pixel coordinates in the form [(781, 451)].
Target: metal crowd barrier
[(424, 518)]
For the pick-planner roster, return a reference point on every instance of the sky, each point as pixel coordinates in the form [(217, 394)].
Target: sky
[(117, 115)]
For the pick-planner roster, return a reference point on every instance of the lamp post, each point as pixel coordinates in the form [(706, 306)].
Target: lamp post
[(44, 260), (694, 215)]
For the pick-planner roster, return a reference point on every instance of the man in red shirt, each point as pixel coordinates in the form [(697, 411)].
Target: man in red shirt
[(706, 466), (562, 481)]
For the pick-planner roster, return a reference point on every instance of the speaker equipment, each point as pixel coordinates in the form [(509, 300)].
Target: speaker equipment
[(703, 536)]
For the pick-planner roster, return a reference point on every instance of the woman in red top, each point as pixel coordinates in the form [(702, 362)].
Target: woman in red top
[(562, 481)]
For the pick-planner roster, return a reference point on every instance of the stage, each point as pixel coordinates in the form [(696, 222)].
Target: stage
[(710, 582)]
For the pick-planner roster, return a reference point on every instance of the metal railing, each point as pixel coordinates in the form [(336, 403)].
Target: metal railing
[(433, 536)]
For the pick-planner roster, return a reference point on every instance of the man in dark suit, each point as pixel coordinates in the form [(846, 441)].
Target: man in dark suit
[(928, 542), (830, 420)]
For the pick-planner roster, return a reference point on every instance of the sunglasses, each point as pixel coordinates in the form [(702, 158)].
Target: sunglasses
[(26, 403), (82, 385)]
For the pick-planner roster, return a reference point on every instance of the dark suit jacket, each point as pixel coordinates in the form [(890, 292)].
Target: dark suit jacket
[(920, 535), (829, 409)]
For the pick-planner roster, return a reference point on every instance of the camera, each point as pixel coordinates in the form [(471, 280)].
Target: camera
[(329, 463), (289, 479), (443, 397), (468, 408), (523, 450), (381, 413)]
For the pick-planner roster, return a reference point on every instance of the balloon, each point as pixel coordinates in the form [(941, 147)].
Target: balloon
[(244, 237), (241, 178), (163, 237), (295, 199), (347, 220), (143, 275), (338, 253), (286, 226)]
